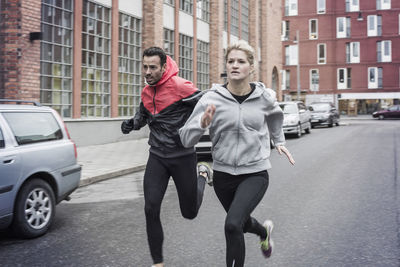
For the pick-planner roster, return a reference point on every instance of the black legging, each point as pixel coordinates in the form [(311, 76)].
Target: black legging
[(190, 190), (239, 195)]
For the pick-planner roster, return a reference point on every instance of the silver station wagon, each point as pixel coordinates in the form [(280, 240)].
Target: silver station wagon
[(38, 166)]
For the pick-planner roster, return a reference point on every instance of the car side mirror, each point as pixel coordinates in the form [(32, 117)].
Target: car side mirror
[(310, 108)]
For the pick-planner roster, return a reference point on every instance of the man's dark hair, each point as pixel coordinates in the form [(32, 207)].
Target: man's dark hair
[(156, 51)]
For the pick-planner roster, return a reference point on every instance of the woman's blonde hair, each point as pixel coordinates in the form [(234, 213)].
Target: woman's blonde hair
[(243, 46)]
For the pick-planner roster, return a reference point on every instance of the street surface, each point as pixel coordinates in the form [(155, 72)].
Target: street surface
[(338, 206)]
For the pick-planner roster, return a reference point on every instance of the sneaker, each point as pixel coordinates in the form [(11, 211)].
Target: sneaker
[(203, 167), (267, 244)]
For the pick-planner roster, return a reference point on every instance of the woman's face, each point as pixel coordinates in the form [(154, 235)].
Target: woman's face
[(237, 65)]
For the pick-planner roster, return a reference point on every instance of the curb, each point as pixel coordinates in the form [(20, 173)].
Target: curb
[(113, 174)]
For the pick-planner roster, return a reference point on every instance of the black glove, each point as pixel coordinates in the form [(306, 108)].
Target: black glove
[(127, 126)]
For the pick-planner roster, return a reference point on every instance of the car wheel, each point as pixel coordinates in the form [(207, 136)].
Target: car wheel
[(34, 209), (299, 131), (381, 117), (330, 123), (308, 130)]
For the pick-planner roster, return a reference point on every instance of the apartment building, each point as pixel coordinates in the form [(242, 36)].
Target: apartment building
[(83, 57), (343, 51)]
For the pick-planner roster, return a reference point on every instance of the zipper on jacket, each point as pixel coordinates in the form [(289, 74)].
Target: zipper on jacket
[(237, 136), (154, 101)]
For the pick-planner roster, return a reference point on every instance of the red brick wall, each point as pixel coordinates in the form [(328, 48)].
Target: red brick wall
[(152, 24), (19, 58)]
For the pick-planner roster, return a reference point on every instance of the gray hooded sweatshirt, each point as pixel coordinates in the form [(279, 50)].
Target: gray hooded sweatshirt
[(240, 133)]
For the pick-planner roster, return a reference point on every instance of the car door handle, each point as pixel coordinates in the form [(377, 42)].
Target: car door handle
[(8, 161)]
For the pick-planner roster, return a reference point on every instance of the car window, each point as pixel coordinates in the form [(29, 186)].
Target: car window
[(393, 108), (2, 144), (288, 108), (302, 106), (33, 127), (321, 107)]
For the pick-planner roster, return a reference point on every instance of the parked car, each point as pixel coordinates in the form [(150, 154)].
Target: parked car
[(203, 147), (297, 118), (38, 166), (389, 113), (324, 113)]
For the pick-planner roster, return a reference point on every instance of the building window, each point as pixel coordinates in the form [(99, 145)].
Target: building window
[(96, 54), (291, 8), (169, 42), (343, 27), (344, 78), (225, 15), (353, 52), (285, 79), (129, 65), (203, 65), (291, 55), (314, 80), (186, 57), (235, 17), (186, 5), (245, 20), (56, 56), (352, 5), (203, 10), (384, 51), (382, 4), (321, 6), (374, 25), (313, 29), (374, 77), (286, 30), (170, 2), (321, 53)]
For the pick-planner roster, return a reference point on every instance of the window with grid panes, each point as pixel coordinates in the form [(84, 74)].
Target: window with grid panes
[(203, 65), (169, 42), (203, 10), (235, 17), (186, 57), (56, 56), (225, 15), (245, 20), (96, 34), (186, 5), (129, 65)]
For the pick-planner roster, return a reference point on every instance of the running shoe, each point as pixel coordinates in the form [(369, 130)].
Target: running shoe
[(204, 167), (267, 244)]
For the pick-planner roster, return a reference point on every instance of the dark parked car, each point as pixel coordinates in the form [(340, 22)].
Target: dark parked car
[(389, 113), (324, 113)]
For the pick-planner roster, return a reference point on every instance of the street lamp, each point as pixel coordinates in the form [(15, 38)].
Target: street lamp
[(297, 41)]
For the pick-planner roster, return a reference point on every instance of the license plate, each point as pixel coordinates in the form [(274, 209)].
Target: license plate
[(314, 120)]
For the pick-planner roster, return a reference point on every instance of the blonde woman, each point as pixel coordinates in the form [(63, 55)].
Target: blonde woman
[(242, 117)]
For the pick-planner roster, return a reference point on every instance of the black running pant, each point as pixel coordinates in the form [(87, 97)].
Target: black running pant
[(239, 195), (189, 186)]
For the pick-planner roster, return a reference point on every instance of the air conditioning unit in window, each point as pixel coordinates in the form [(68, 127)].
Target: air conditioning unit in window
[(321, 11), (313, 36)]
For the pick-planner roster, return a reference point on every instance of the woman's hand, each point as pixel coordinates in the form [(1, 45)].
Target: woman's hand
[(283, 149), (207, 116)]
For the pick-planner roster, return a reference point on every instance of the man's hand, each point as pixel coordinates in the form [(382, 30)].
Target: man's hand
[(208, 116), (127, 126), (283, 149)]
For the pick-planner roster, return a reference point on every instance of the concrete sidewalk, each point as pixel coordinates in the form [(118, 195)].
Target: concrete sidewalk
[(100, 162)]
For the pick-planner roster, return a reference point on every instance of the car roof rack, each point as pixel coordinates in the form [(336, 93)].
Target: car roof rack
[(35, 103)]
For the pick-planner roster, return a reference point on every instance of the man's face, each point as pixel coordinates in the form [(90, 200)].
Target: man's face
[(152, 69)]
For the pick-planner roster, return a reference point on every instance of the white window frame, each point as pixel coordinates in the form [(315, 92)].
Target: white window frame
[(291, 8), (344, 82), (373, 22), (285, 80), (353, 52), (285, 33), (321, 59), (321, 6), (345, 32), (384, 48), (313, 35), (383, 4), (291, 55), (352, 5), (374, 77), (314, 87)]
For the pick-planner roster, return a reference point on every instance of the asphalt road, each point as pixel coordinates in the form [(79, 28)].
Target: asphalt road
[(338, 206)]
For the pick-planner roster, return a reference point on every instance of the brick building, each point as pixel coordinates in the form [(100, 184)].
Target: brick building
[(83, 57), (347, 52)]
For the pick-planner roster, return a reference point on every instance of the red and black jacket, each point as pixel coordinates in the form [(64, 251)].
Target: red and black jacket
[(163, 109)]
